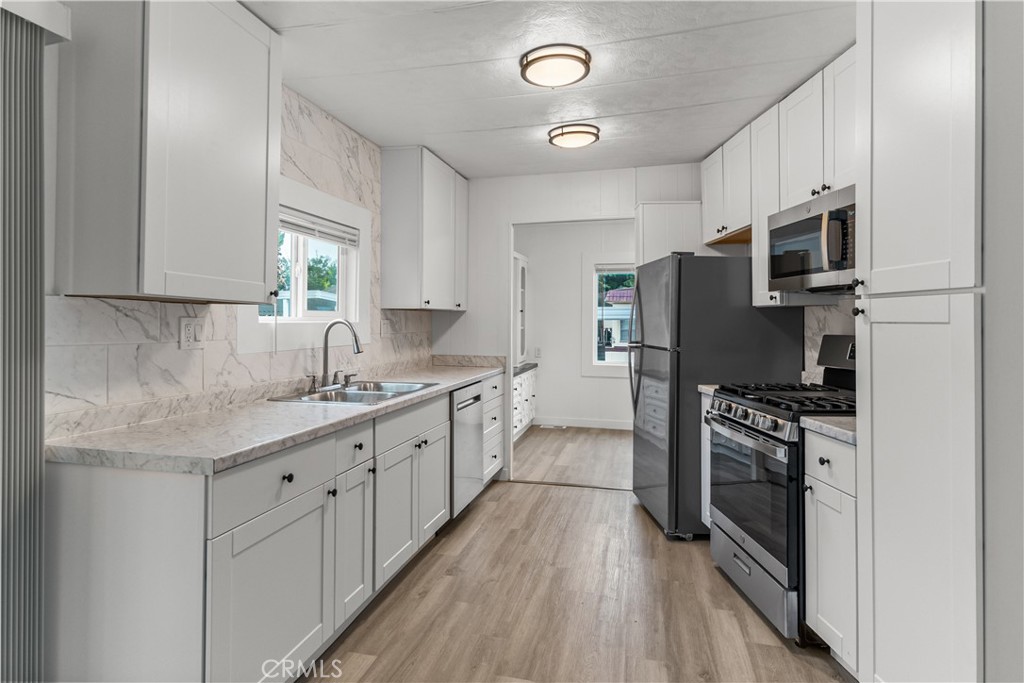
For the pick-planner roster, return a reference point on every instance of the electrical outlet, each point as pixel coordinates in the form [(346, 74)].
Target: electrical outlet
[(190, 333)]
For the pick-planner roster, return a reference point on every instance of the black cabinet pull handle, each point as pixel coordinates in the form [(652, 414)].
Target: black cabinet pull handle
[(358, 446), (808, 487), (857, 282), (333, 493), (823, 461), (858, 311), (288, 477)]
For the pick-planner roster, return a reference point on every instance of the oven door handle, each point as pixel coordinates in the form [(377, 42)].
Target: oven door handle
[(779, 453)]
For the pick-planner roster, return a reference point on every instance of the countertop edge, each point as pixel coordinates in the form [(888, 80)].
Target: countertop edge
[(61, 451), (707, 389), (831, 427)]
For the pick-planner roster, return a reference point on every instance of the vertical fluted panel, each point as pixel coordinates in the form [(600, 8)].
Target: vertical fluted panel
[(21, 350)]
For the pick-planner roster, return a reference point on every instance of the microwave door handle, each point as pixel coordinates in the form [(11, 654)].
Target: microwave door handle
[(826, 243)]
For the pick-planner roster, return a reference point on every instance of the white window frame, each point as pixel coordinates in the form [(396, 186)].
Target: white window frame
[(589, 367), (287, 334), (298, 292)]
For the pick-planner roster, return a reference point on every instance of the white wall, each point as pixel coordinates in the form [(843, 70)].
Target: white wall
[(554, 309), (495, 204)]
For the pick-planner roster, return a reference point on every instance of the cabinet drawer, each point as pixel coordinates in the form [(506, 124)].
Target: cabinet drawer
[(493, 457), (493, 419), (249, 490), (493, 387), (396, 428), (354, 446), (831, 461)]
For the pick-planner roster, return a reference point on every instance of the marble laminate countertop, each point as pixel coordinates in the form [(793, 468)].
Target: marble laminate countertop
[(841, 428), (708, 389), (523, 367), (207, 443)]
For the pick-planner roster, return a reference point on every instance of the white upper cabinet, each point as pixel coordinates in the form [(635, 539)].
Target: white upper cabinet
[(712, 193), (839, 95), (918, 95), (801, 144), (424, 232), (180, 201), (736, 180), (725, 189), (665, 227), (764, 200)]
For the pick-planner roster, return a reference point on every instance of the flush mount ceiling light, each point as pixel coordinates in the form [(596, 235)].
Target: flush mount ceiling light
[(574, 135), (552, 66)]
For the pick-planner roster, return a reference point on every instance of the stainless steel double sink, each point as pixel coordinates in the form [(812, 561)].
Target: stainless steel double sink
[(366, 393)]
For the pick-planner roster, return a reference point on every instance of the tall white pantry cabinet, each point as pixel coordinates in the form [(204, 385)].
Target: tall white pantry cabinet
[(918, 337)]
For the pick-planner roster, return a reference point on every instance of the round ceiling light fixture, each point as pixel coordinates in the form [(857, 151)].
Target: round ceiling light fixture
[(574, 135), (553, 66)]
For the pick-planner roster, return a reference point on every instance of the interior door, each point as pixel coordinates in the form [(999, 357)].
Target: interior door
[(654, 435)]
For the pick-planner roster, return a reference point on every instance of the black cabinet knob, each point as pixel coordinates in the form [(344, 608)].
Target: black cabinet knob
[(494, 386), (815, 193), (823, 461), (857, 282), (333, 493), (288, 477), (274, 293), (424, 442), (772, 297), (372, 470), (427, 302), (495, 456), (358, 446), (494, 419), (458, 305), (825, 188), (858, 311), (417, 445), (808, 487)]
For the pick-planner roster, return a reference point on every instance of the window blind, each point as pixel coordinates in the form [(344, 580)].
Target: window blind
[(318, 227)]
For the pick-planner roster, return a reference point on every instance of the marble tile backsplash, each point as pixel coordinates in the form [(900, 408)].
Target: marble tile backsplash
[(111, 363), (819, 321)]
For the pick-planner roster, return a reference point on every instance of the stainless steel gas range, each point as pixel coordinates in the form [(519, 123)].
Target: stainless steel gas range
[(756, 475)]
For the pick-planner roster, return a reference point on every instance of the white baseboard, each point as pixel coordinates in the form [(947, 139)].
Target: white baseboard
[(583, 422)]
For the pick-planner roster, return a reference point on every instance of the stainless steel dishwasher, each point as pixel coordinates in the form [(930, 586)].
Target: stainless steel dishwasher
[(467, 446)]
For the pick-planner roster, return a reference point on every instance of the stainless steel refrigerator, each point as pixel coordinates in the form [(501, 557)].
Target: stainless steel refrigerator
[(693, 323)]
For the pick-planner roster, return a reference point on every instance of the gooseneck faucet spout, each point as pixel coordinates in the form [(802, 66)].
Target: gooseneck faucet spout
[(357, 346)]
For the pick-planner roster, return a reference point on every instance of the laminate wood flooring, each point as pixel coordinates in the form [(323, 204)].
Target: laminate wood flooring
[(581, 457), (554, 583)]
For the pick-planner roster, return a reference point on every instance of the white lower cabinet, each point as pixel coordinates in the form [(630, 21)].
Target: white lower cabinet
[(353, 541), (524, 402), (830, 528), (433, 481), (271, 590)]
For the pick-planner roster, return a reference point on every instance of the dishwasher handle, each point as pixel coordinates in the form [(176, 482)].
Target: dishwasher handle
[(468, 402)]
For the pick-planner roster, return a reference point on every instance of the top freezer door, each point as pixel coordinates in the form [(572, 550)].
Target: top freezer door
[(657, 309)]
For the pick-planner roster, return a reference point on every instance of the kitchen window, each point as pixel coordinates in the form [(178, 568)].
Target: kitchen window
[(317, 270), (323, 272), (608, 282)]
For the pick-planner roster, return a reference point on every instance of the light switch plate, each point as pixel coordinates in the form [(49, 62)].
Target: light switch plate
[(190, 333)]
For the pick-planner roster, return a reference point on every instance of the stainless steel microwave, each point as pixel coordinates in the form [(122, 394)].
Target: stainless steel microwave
[(811, 245)]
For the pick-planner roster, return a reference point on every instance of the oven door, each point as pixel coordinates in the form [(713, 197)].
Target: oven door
[(755, 496)]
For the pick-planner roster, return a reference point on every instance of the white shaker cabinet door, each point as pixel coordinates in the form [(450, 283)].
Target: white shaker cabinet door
[(830, 528), (918, 223), (764, 201), (801, 144), (395, 506), (438, 233), (839, 94), (212, 152), (461, 243), (712, 196), (353, 563), (736, 180), (270, 590), (433, 478), (918, 468)]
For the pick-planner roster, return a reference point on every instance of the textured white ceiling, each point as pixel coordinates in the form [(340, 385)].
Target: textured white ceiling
[(669, 81)]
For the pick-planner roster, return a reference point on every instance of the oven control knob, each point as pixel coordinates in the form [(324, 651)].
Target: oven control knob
[(742, 413), (726, 408), (716, 404), (771, 424)]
